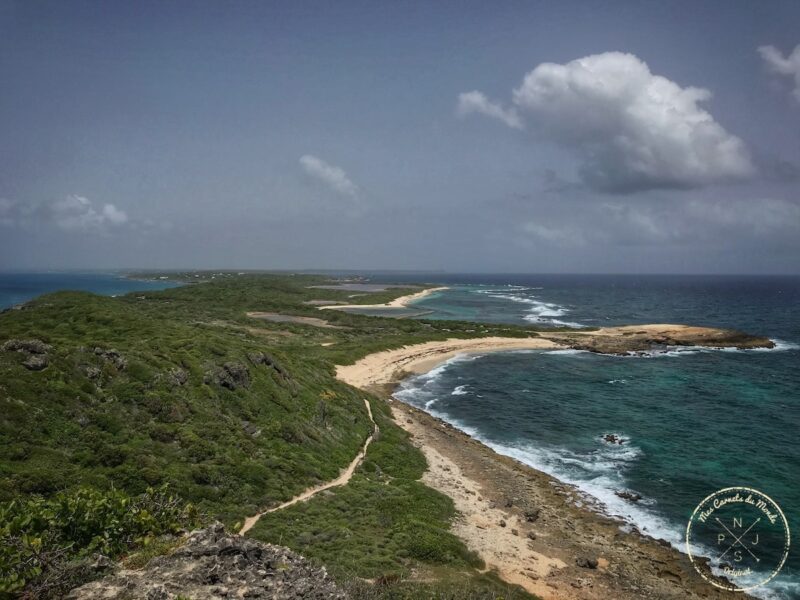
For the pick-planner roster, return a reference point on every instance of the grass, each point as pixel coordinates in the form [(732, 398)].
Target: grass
[(159, 412)]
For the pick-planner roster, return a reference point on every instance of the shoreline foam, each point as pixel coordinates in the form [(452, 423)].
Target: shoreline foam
[(495, 495), (401, 302)]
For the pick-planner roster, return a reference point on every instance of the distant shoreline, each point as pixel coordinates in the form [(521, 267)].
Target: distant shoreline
[(401, 302)]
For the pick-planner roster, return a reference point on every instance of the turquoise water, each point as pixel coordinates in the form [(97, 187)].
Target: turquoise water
[(16, 288), (694, 420)]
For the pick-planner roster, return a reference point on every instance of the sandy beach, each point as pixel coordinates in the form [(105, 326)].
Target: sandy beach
[(530, 528), (389, 366), (401, 302)]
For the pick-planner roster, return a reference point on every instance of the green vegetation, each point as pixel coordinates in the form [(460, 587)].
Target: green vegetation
[(235, 414), (45, 544)]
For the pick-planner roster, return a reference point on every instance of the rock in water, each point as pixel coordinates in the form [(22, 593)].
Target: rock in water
[(216, 564), (631, 496)]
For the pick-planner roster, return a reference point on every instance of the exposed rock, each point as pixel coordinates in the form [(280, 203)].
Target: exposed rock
[(635, 339), (231, 376), (262, 358), (531, 516), (35, 362), (612, 438), (502, 523), (177, 376), (214, 564), (101, 563), (586, 563), (32, 346), (531, 535), (112, 356), (92, 372), (250, 429), (631, 496)]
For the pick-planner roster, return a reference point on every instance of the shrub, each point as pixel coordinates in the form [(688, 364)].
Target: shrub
[(42, 541)]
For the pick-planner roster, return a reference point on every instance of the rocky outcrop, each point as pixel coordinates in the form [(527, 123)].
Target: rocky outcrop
[(213, 564), (284, 377), (36, 362), (231, 375), (35, 351), (28, 346), (636, 339), (630, 496), (112, 356), (177, 377)]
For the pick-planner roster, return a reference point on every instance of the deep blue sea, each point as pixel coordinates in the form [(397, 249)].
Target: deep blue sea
[(694, 420), (16, 288)]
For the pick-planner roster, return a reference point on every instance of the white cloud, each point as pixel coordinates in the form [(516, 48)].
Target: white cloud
[(716, 222), (476, 102), (788, 66), (114, 215), (630, 129), (72, 213), (77, 213), (332, 176), (562, 235)]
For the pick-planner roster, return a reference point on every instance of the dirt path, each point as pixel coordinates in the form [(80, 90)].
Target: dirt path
[(343, 478)]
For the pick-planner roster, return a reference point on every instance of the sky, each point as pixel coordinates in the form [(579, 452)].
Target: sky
[(538, 137)]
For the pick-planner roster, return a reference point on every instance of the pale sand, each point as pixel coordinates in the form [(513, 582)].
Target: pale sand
[(401, 302), (387, 366), (490, 490), (309, 493), (504, 551)]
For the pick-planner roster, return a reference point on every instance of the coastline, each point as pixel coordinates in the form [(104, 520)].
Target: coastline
[(401, 302), (389, 366), (532, 529)]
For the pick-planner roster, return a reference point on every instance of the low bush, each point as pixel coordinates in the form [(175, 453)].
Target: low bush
[(45, 544)]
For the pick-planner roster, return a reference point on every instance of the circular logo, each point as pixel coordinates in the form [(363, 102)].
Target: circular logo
[(737, 539)]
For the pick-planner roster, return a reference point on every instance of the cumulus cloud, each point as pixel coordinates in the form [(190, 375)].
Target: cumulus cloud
[(476, 102), (77, 213), (332, 176), (788, 66), (72, 213), (693, 221), (631, 130)]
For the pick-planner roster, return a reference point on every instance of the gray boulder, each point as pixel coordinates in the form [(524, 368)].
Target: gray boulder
[(214, 564)]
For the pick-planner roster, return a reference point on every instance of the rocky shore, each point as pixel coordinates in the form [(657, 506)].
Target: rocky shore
[(213, 564), (542, 534), (532, 529)]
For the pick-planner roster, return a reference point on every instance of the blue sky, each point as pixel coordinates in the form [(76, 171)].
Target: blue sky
[(509, 136)]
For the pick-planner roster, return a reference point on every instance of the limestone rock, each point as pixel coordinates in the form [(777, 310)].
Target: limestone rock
[(32, 346), (214, 564)]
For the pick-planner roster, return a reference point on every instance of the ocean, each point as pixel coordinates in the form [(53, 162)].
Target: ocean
[(693, 420), (16, 288)]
